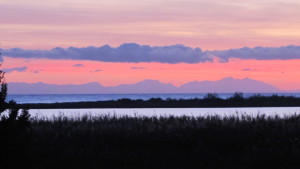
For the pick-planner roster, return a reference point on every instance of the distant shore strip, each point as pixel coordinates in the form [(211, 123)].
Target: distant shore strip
[(210, 100)]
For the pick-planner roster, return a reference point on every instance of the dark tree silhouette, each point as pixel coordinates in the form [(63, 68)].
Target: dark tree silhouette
[(3, 92), (13, 115), (14, 135), (211, 96)]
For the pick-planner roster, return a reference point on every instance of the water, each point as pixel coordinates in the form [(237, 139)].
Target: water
[(60, 98)]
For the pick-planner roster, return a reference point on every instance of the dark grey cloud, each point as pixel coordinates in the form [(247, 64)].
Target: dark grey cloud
[(128, 52), (98, 70), (247, 69), (15, 69), (36, 71), (1, 59), (78, 65), (134, 53), (259, 53), (138, 68)]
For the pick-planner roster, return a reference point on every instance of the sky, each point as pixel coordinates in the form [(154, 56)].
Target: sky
[(174, 41)]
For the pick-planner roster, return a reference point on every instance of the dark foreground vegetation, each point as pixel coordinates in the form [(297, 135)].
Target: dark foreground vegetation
[(210, 100), (109, 142)]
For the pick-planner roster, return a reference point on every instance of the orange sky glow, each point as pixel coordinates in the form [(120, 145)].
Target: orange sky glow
[(279, 73)]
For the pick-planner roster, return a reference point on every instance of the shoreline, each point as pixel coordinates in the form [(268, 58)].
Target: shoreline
[(210, 101)]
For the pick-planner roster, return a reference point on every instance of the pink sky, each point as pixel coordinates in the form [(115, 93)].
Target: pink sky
[(279, 73), (213, 24), (210, 25)]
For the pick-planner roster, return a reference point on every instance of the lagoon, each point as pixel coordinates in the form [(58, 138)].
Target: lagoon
[(62, 98)]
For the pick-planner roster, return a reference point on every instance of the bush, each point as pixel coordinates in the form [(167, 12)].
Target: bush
[(211, 96), (13, 117), (14, 135)]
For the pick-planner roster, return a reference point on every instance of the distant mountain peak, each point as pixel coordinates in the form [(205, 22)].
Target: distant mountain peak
[(93, 83), (228, 85), (225, 85), (228, 78), (247, 78), (149, 81), (152, 82), (39, 83)]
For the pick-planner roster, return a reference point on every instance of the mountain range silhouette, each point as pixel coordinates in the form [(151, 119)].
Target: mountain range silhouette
[(225, 85)]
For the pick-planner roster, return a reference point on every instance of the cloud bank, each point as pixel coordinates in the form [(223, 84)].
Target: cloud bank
[(260, 53), (16, 69), (129, 52), (134, 53)]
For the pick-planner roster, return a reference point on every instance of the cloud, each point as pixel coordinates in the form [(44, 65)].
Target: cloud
[(247, 69), (138, 68), (134, 53), (36, 71), (128, 52), (78, 65), (16, 69), (97, 70), (260, 53)]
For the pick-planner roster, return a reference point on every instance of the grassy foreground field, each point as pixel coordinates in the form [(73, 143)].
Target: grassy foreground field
[(153, 142)]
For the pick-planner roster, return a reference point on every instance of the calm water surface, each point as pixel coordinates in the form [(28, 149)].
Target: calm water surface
[(60, 98)]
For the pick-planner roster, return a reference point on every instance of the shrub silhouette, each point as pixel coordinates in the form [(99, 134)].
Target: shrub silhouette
[(13, 108), (14, 135), (211, 96), (237, 96), (9, 112), (3, 92)]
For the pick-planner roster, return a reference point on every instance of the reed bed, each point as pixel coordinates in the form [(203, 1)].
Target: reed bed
[(184, 142)]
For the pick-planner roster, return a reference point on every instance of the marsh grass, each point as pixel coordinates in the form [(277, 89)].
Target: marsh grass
[(157, 142)]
